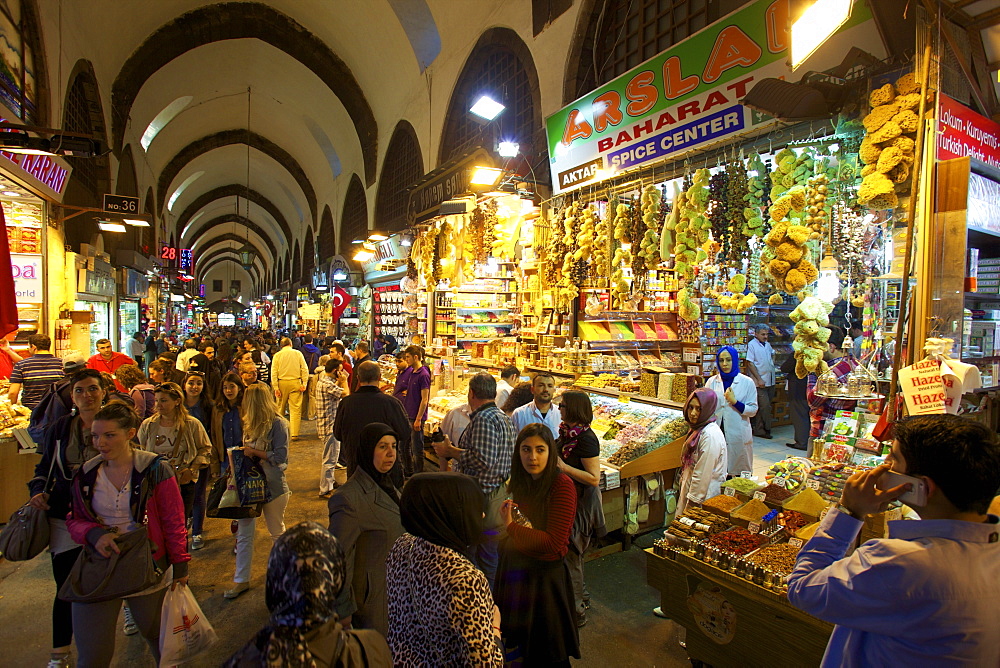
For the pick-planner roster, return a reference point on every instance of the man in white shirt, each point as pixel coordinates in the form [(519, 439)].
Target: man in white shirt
[(184, 357), (289, 377), (508, 378), (543, 387), (761, 355), (454, 423)]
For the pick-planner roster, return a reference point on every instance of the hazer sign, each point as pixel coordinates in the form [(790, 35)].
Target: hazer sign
[(28, 282)]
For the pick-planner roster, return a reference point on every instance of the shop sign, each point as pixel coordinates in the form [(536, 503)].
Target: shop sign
[(44, 173), (121, 204), (385, 252), (27, 271), (136, 285), (962, 132), (923, 388), (687, 96), (450, 181)]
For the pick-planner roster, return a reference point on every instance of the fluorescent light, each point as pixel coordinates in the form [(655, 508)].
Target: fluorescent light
[(508, 149), (108, 226), (339, 275), (486, 107), (815, 26), (485, 176), (377, 236), (10, 193), (136, 222)]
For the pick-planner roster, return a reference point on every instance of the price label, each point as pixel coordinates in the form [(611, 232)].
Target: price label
[(760, 496), (780, 482), (754, 527), (825, 511), (814, 485), (795, 542), (746, 474), (730, 491), (624, 398)]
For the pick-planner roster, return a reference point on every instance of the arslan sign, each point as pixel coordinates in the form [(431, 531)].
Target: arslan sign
[(687, 96)]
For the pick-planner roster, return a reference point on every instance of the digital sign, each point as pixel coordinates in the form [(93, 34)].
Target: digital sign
[(182, 258)]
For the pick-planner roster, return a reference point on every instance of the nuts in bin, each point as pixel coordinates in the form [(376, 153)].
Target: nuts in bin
[(776, 558)]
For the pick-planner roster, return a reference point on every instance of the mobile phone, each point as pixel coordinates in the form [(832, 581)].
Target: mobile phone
[(917, 496)]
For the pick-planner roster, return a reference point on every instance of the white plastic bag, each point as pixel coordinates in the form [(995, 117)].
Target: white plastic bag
[(184, 631)]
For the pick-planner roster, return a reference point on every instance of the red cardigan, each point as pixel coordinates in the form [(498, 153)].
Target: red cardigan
[(552, 543), (164, 509)]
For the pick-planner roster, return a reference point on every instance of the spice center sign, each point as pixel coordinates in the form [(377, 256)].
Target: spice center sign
[(687, 96)]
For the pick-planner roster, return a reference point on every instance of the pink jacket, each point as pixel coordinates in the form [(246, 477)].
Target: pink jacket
[(154, 492)]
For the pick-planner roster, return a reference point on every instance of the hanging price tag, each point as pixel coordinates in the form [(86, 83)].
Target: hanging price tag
[(754, 527), (730, 491), (760, 496), (795, 542)]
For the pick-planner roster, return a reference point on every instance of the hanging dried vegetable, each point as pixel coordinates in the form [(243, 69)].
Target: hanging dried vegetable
[(753, 210), (622, 256), (649, 248), (602, 242), (693, 226)]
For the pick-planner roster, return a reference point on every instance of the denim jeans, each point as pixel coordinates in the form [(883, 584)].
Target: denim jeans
[(200, 501)]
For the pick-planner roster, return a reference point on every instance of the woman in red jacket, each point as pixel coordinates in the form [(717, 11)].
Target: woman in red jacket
[(534, 591), (113, 493)]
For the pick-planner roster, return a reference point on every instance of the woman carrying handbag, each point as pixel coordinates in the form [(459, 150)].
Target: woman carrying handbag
[(121, 491), (265, 436), (67, 446)]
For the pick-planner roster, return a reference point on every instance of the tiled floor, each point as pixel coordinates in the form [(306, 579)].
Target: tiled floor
[(767, 452)]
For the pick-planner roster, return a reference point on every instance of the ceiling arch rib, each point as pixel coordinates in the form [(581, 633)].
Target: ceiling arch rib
[(263, 250), (234, 190), (218, 252), (192, 239), (244, 20), (254, 272), (228, 138), (227, 206)]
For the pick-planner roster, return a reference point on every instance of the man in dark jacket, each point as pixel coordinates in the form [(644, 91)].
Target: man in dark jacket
[(364, 407)]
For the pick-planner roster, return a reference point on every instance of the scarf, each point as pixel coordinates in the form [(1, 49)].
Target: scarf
[(568, 437), (445, 509), (367, 440), (709, 401), (727, 378), (305, 573)]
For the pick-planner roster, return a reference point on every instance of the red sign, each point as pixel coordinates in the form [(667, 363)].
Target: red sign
[(962, 132), (341, 299)]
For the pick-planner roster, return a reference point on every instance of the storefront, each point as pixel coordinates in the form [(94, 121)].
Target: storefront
[(384, 306)]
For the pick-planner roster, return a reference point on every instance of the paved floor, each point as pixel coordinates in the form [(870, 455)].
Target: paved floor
[(621, 631)]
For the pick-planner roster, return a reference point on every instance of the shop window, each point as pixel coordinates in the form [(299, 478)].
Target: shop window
[(354, 220), (402, 167), (19, 75), (500, 66), (620, 34), (327, 235), (217, 285)]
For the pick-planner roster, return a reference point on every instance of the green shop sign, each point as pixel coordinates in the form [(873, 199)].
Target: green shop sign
[(687, 96)]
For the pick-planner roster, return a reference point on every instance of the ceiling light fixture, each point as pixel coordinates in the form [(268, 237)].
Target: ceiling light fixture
[(247, 253), (378, 236), (10, 193), (136, 222), (110, 226), (508, 149), (485, 176), (816, 25), (487, 108)]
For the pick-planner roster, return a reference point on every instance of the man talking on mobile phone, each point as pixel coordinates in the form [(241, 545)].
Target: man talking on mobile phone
[(928, 594)]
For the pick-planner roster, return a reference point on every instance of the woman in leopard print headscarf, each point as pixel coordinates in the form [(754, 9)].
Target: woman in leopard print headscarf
[(305, 573)]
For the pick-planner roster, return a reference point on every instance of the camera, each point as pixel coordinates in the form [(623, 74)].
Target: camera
[(437, 437)]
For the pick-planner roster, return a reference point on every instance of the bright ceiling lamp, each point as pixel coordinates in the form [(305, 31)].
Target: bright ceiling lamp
[(180, 189), (487, 108), (828, 286), (815, 26), (136, 222), (485, 176), (508, 149), (365, 253), (110, 226), (161, 120), (378, 236)]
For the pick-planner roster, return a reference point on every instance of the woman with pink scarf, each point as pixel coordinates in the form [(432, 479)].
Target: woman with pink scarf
[(703, 460)]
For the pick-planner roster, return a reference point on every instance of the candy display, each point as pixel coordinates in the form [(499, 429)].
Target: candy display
[(635, 429), (829, 480), (775, 558), (792, 472), (737, 541)]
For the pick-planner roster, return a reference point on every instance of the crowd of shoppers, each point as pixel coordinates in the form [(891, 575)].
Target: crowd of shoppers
[(481, 565)]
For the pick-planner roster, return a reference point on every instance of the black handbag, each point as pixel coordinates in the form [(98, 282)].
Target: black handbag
[(95, 578), (217, 508), (27, 532)]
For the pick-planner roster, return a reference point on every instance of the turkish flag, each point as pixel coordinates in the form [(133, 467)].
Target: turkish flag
[(341, 300), (8, 295)]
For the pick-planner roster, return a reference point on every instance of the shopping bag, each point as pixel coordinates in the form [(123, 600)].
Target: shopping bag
[(224, 502), (184, 631), (251, 483)]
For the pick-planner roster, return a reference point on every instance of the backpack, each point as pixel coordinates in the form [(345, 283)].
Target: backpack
[(312, 360), (44, 415)]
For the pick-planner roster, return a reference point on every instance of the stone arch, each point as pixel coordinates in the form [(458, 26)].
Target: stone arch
[(235, 253), (327, 236), (234, 190), (354, 219), (402, 167), (500, 64), (227, 138), (215, 223), (263, 254), (245, 20), (253, 271)]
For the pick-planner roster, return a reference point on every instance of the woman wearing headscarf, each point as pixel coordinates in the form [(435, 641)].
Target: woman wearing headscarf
[(364, 516), (736, 397), (703, 459), (441, 610), (305, 573)]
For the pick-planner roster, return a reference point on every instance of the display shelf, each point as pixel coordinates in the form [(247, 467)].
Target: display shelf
[(561, 374), (629, 397), (478, 308), (982, 297)]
